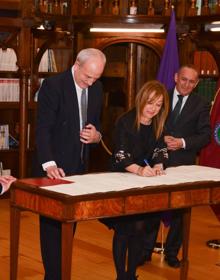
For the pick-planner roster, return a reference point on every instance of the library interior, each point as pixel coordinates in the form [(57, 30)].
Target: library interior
[(41, 38)]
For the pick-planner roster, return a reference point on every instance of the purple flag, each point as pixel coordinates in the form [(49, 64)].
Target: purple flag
[(169, 63)]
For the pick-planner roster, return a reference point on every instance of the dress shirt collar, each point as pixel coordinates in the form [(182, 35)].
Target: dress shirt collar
[(175, 98)]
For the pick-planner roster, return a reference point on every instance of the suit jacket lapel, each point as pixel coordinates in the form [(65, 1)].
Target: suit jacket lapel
[(188, 108), (91, 99)]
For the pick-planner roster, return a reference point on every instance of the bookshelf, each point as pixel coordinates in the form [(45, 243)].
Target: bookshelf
[(21, 72), (9, 109)]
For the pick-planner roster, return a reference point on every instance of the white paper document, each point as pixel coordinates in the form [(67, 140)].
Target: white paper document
[(116, 181)]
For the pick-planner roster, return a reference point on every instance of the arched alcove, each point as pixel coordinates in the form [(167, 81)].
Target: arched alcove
[(130, 63)]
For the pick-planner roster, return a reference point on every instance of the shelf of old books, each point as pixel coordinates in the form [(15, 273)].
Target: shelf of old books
[(9, 110)]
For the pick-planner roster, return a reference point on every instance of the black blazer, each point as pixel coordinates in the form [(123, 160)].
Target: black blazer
[(193, 125), (58, 125)]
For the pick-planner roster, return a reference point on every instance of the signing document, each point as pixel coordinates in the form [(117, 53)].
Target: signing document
[(116, 181)]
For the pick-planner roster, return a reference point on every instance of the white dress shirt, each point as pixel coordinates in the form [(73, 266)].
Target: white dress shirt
[(175, 100)]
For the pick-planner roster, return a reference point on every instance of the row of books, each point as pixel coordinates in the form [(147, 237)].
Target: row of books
[(4, 137), (48, 62), (9, 90), (10, 87), (8, 61), (8, 141)]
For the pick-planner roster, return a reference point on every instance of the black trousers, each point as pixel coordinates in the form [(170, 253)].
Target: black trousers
[(50, 241), (175, 234), (174, 237), (129, 235)]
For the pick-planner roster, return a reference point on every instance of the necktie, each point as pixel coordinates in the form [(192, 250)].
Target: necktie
[(176, 110), (84, 117), (84, 107)]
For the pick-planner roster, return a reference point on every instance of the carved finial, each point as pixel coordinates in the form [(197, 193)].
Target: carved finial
[(133, 8), (85, 7), (217, 7), (205, 11), (115, 7), (150, 9), (167, 8), (193, 9), (99, 7)]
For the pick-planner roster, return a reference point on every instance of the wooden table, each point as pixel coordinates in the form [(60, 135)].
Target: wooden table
[(68, 209)]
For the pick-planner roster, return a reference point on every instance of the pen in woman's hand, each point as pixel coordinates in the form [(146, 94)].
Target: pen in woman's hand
[(146, 162), (148, 171)]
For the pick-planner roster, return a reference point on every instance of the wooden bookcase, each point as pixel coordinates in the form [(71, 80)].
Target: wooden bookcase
[(19, 30)]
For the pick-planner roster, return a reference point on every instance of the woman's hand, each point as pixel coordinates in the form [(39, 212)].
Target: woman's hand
[(159, 169), (146, 171)]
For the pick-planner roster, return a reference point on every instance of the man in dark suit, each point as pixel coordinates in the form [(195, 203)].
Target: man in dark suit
[(62, 137), (186, 133), (5, 182)]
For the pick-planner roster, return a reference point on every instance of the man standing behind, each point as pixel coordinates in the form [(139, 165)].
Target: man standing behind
[(186, 134), (187, 131), (68, 119)]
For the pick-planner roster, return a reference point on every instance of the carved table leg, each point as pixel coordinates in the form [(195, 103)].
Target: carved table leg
[(186, 232), (14, 241)]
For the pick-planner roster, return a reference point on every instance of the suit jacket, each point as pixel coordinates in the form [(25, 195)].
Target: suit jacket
[(193, 125), (58, 124)]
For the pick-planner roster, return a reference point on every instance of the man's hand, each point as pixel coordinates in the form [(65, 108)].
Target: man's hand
[(173, 143), (54, 172), (89, 134)]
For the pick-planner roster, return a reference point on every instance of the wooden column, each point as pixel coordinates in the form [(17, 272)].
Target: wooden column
[(131, 81), (24, 65), (23, 123)]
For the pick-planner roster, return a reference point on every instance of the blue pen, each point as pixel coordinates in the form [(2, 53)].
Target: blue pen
[(146, 162)]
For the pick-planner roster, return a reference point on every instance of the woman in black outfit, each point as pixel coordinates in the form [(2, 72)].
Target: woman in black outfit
[(137, 143)]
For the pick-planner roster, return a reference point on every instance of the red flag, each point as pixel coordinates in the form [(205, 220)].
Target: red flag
[(210, 155)]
